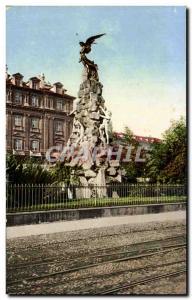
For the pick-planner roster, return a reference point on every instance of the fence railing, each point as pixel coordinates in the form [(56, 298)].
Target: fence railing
[(24, 197)]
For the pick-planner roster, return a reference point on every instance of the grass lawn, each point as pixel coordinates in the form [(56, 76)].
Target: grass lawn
[(103, 202)]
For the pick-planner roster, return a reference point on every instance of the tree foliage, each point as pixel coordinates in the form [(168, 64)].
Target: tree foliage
[(65, 174), (30, 171), (168, 159), (25, 171), (132, 168)]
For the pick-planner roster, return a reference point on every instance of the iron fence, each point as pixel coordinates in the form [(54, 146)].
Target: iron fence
[(24, 197)]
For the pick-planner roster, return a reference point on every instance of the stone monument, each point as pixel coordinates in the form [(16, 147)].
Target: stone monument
[(90, 133)]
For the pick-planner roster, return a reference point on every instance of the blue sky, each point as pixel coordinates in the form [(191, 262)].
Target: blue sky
[(141, 59)]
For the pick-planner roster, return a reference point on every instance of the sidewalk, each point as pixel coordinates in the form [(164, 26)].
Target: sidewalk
[(64, 226)]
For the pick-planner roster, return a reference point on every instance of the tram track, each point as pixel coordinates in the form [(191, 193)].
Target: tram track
[(115, 290), (99, 264), (133, 255), (68, 256), (103, 276), (46, 287)]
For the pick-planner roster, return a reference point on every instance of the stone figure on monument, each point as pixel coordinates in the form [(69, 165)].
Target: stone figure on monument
[(77, 133), (104, 127)]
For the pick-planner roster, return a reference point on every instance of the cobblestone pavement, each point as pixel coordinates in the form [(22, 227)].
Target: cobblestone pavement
[(135, 259)]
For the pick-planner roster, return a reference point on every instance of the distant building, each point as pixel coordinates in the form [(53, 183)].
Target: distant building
[(37, 115), (143, 141)]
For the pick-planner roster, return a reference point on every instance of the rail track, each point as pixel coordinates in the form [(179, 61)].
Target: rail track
[(27, 285), (94, 253), (112, 257), (111, 274), (112, 269), (149, 279)]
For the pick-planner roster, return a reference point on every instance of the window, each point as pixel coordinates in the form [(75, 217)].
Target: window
[(35, 146), (59, 105), (8, 96), (59, 126), (70, 107), (18, 121), (58, 90), (34, 101), (18, 98), (17, 81), (35, 85), (48, 102), (35, 123), (18, 144), (67, 107)]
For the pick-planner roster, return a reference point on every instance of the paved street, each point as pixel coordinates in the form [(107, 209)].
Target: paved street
[(118, 255)]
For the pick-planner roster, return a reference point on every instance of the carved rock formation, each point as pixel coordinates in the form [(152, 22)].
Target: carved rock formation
[(90, 134), (90, 138)]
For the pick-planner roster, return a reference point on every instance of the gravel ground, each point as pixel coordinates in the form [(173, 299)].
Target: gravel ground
[(61, 251)]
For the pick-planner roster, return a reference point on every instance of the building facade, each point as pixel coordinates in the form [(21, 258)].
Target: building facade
[(38, 115)]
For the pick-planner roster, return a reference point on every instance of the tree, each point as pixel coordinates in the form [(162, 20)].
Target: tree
[(132, 168), (26, 171), (129, 137), (168, 159), (65, 174), (13, 169)]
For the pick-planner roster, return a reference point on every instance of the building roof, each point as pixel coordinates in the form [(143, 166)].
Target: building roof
[(45, 86), (35, 78), (58, 84), (138, 138), (17, 75)]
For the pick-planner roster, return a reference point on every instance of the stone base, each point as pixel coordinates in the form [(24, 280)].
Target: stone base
[(91, 132)]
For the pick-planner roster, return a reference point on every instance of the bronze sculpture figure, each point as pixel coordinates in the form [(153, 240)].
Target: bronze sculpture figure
[(90, 66)]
